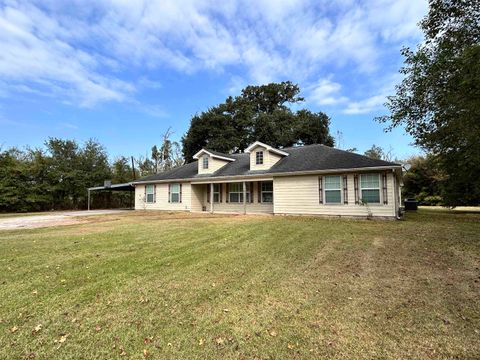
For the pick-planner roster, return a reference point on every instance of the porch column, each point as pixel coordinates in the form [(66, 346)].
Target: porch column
[(88, 206), (244, 197), (211, 197)]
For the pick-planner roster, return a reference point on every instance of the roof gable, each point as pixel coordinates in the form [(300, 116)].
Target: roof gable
[(268, 147), (214, 154)]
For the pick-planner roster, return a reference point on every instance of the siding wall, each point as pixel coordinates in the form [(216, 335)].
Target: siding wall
[(197, 197), (213, 165), (252, 208), (269, 159), (292, 195), (161, 202), (300, 195)]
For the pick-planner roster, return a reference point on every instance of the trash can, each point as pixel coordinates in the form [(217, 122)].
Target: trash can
[(411, 204)]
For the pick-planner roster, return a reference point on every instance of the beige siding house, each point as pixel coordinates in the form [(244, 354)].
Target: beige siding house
[(303, 180)]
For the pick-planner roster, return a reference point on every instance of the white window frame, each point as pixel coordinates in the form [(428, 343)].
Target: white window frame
[(369, 188), (152, 193), (266, 192), (240, 196), (205, 162), (175, 193), (217, 192), (259, 157), (325, 190)]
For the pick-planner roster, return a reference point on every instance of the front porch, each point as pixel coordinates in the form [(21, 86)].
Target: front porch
[(240, 197)]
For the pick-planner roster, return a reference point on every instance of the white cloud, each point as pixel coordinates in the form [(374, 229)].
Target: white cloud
[(34, 52), (366, 105), (327, 92), (79, 51)]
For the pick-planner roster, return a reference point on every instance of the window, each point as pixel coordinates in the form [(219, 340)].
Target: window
[(236, 192), (370, 188), (175, 193), (259, 157), (267, 191), (216, 193), (205, 162), (150, 193), (333, 189)]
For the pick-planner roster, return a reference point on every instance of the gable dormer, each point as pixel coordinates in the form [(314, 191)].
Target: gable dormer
[(210, 161), (263, 156)]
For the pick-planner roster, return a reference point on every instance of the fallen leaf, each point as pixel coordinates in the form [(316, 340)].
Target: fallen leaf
[(226, 310), (63, 338), (35, 292), (201, 342), (31, 355), (145, 353), (169, 344), (273, 333), (13, 329), (74, 320), (98, 328), (63, 281), (290, 346), (37, 328), (219, 340)]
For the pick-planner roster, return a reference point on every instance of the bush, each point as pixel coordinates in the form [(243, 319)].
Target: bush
[(431, 200)]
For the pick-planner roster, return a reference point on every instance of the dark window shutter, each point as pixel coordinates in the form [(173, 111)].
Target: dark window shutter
[(320, 189), (180, 192), (168, 192), (251, 192), (345, 189), (385, 193), (209, 187), (220, 188), (355, 184), (154, 193), (227, 195), (259, 191)]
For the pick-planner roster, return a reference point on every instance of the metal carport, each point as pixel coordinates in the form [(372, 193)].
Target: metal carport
[(113, 187)]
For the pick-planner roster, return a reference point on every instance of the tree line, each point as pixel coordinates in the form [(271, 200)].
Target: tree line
[(56, 176)]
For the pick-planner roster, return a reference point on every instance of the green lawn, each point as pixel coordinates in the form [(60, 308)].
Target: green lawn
[(181, 286)]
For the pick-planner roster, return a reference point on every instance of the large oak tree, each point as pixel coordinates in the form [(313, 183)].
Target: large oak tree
[(259, 113)]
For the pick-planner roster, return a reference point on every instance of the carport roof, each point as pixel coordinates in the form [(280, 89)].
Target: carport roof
[(114, 187)]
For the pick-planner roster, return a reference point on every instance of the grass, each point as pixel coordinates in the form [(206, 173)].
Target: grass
[(182, 286)]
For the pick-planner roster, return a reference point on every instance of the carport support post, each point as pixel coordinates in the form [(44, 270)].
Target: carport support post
[(244, 197), (211, 197), (88, 206)]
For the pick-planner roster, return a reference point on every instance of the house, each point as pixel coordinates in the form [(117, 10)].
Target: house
[(305, 180)]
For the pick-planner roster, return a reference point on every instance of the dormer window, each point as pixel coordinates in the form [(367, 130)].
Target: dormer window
[(259, 157), (210, 161), (263, 156)]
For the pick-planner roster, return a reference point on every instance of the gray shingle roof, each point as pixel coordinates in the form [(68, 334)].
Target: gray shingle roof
[(302, 158)]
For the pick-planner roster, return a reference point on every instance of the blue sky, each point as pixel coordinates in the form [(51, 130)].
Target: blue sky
[(124, 71)]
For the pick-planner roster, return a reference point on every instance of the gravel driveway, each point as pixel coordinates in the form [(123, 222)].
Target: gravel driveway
[(54, 219)]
